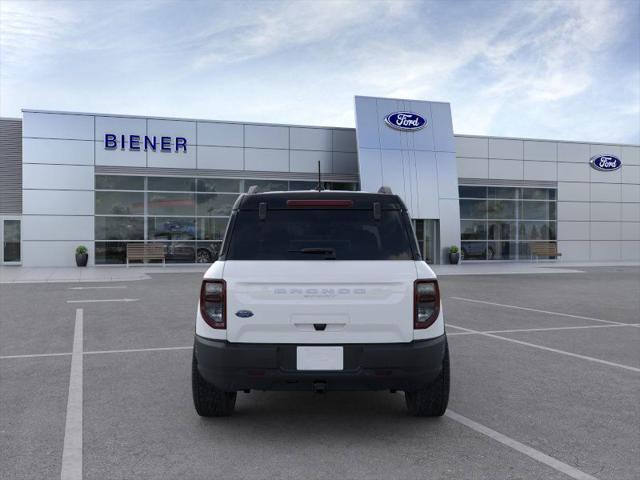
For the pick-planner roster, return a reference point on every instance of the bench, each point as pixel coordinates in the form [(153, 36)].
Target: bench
[(545, 249), (142, 252)]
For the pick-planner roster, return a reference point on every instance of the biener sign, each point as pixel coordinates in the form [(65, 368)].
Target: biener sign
[(139, 142)]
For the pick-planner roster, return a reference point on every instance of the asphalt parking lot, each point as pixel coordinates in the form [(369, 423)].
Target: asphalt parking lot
[(95, 379)]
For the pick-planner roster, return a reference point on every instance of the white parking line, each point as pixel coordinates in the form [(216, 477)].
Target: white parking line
[(158, 349), (95, 352), (548, 349), (520, 447), (105, 300), (72, 448), (538, 311), (34, 355), (547, 329), (95, 288)]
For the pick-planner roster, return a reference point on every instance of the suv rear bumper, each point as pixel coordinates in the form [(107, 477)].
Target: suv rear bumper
[(244, 366)]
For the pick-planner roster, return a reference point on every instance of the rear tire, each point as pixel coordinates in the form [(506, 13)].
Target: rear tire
[(432, 400), (209, 400)]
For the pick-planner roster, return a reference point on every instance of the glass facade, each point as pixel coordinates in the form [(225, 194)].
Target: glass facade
[(188, 216), (502, 223)]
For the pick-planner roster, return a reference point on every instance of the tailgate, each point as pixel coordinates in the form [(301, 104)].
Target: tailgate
[(319, 301)]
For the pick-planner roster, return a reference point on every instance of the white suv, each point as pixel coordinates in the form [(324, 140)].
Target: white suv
[(316, 291)]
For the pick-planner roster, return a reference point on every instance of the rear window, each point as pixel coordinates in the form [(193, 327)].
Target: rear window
[(306, 234)]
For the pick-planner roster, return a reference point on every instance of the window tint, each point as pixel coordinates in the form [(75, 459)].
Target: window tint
[(351, 234), (473, 230), (119, 182), (300, 185), (177, 184), (172, 204), (168, 228), (502, 209), (472, 192), (211, 228), (267, 185), (473, 208), (119, 228), (214, 204), (120, 203), (212, 185)]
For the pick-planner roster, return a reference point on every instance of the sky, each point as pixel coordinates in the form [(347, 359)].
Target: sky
[(541, 69)]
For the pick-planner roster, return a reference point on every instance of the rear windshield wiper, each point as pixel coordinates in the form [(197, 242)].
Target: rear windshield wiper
[(329, 252)]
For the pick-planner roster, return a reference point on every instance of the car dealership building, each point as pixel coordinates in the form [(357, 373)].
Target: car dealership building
[(110, 181)]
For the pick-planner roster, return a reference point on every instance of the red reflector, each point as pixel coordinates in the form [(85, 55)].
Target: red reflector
[(319, 203)]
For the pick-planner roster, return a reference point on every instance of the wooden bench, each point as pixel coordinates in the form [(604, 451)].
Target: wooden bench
[(142, 252), (545, 249)]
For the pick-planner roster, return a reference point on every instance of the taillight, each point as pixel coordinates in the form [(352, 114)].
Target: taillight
[(426, 303), (213, 303)]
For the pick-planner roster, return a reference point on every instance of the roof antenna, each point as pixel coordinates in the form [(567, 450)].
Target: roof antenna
[(319, 178)]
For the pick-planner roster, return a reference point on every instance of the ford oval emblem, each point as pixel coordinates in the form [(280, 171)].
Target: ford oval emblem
[(605, 163), (244, 313), (405, 121)]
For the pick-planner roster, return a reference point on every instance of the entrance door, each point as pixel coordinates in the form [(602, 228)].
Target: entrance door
[(428, 235), (10, 235)]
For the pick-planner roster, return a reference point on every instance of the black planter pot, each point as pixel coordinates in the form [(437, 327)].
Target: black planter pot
[(454, 258), (82, 259)]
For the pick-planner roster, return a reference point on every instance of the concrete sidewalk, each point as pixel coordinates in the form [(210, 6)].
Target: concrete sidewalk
[(16, 274), (525, 268)]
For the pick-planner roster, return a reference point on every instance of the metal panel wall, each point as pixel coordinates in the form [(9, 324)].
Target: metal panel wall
[(10, 166), (418, 165), (598, 212)]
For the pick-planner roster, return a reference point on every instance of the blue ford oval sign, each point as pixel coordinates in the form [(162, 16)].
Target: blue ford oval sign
[(244, 313), (405, 121), (605, 163)]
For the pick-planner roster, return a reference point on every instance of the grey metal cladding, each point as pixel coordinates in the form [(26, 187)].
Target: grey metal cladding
[(201, 172), (508, 183), (10, 166)]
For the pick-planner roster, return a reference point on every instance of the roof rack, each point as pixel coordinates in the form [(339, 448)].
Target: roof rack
[(386, 190), (252, 190)]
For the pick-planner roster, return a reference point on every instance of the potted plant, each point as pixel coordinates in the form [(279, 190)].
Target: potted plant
[(454, 255), (82, 256)]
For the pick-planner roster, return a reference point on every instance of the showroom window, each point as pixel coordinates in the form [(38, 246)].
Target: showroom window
[(502, 223), (187, 216)]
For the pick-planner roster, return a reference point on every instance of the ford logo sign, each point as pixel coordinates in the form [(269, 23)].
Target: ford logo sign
[(244, 313), (605, 163), (405, 121)]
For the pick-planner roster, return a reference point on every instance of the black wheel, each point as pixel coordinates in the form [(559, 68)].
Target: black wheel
[(208, 400), (432, 400), (204, 256)]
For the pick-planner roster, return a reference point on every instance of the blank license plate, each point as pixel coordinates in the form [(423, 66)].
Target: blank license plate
[(320, 358)]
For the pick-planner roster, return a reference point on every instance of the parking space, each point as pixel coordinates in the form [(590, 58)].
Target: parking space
[(552, 393)]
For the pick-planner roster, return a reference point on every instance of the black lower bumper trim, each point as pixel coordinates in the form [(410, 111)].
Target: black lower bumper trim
[(390, 366)]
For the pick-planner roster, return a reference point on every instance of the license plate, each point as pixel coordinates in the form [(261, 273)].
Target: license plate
[(320, 358)]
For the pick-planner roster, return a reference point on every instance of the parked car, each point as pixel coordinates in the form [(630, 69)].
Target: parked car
[(320, 291), (181, 247), (477, 251)]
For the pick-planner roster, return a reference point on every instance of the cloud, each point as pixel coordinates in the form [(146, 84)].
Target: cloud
[(508, 68)]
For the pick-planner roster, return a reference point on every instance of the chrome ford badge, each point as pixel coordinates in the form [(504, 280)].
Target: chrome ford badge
[(605, 163), (405, 121)]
